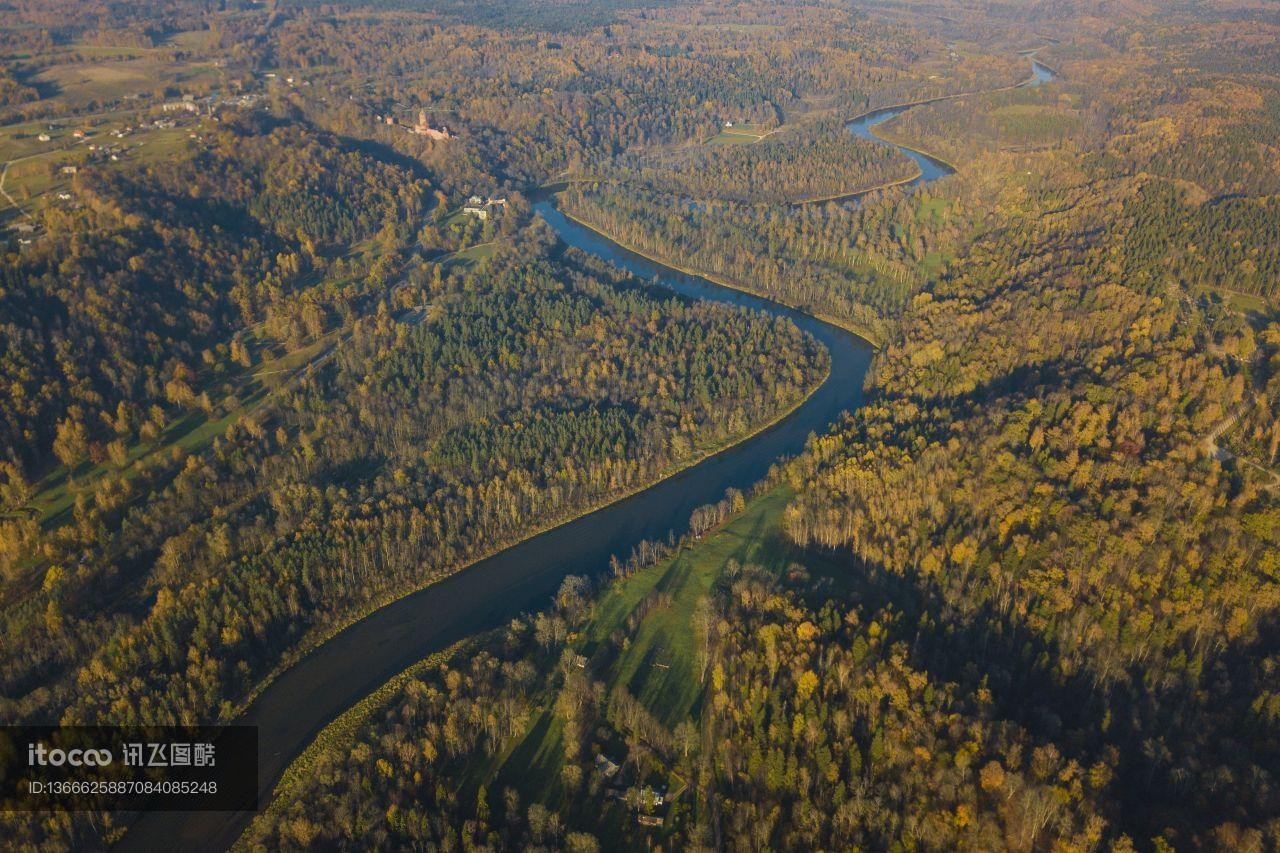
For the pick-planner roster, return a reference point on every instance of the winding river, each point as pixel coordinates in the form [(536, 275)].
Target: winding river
[(929, 168), (293, 708)]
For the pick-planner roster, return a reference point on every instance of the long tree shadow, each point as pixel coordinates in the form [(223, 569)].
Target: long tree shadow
[(1169, 736)]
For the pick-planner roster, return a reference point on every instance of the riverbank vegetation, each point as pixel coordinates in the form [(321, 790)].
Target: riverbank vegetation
[(741, 683), (529, 394), (812, 258), (286, 370), (817, 160), (1052, 524)]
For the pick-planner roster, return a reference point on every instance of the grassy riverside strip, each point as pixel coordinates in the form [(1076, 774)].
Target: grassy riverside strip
[(613, 600)]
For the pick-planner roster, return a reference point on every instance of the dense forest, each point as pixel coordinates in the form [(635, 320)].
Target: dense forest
[(1053, 524), (819, 258), (1060, 499), (817, 161), (528, 393), (272, 367), (127, 294)]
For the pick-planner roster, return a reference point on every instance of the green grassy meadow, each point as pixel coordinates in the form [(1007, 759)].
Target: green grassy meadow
[(739, 134), (658, 663)]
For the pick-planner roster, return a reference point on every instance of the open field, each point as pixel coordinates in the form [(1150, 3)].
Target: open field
[(1035, 123), (659, 666), (729, 138), (659, 663), (738, 134), (23, 140), (111, 51), (933, 210), (35, 168), (77, 84), (1245, 303), (472, 255), (193, 40)]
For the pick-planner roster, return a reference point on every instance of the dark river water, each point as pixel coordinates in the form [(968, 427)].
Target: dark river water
[(301, 701)]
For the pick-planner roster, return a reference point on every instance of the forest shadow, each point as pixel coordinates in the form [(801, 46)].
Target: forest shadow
[(1024, 380), (385, 153), (1181, 731), (979, 647), (1158, 730)]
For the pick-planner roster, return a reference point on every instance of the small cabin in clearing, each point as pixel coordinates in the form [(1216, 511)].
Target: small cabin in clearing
[(483, 208), (606, 766)]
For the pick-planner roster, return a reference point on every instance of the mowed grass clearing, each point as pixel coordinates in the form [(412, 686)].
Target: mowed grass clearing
[(1036, 123), (472, 255), (1244, 303), (738, 134), (659, 665), (193, 40)]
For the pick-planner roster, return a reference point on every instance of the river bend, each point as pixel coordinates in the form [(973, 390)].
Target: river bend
[(298, 703)]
